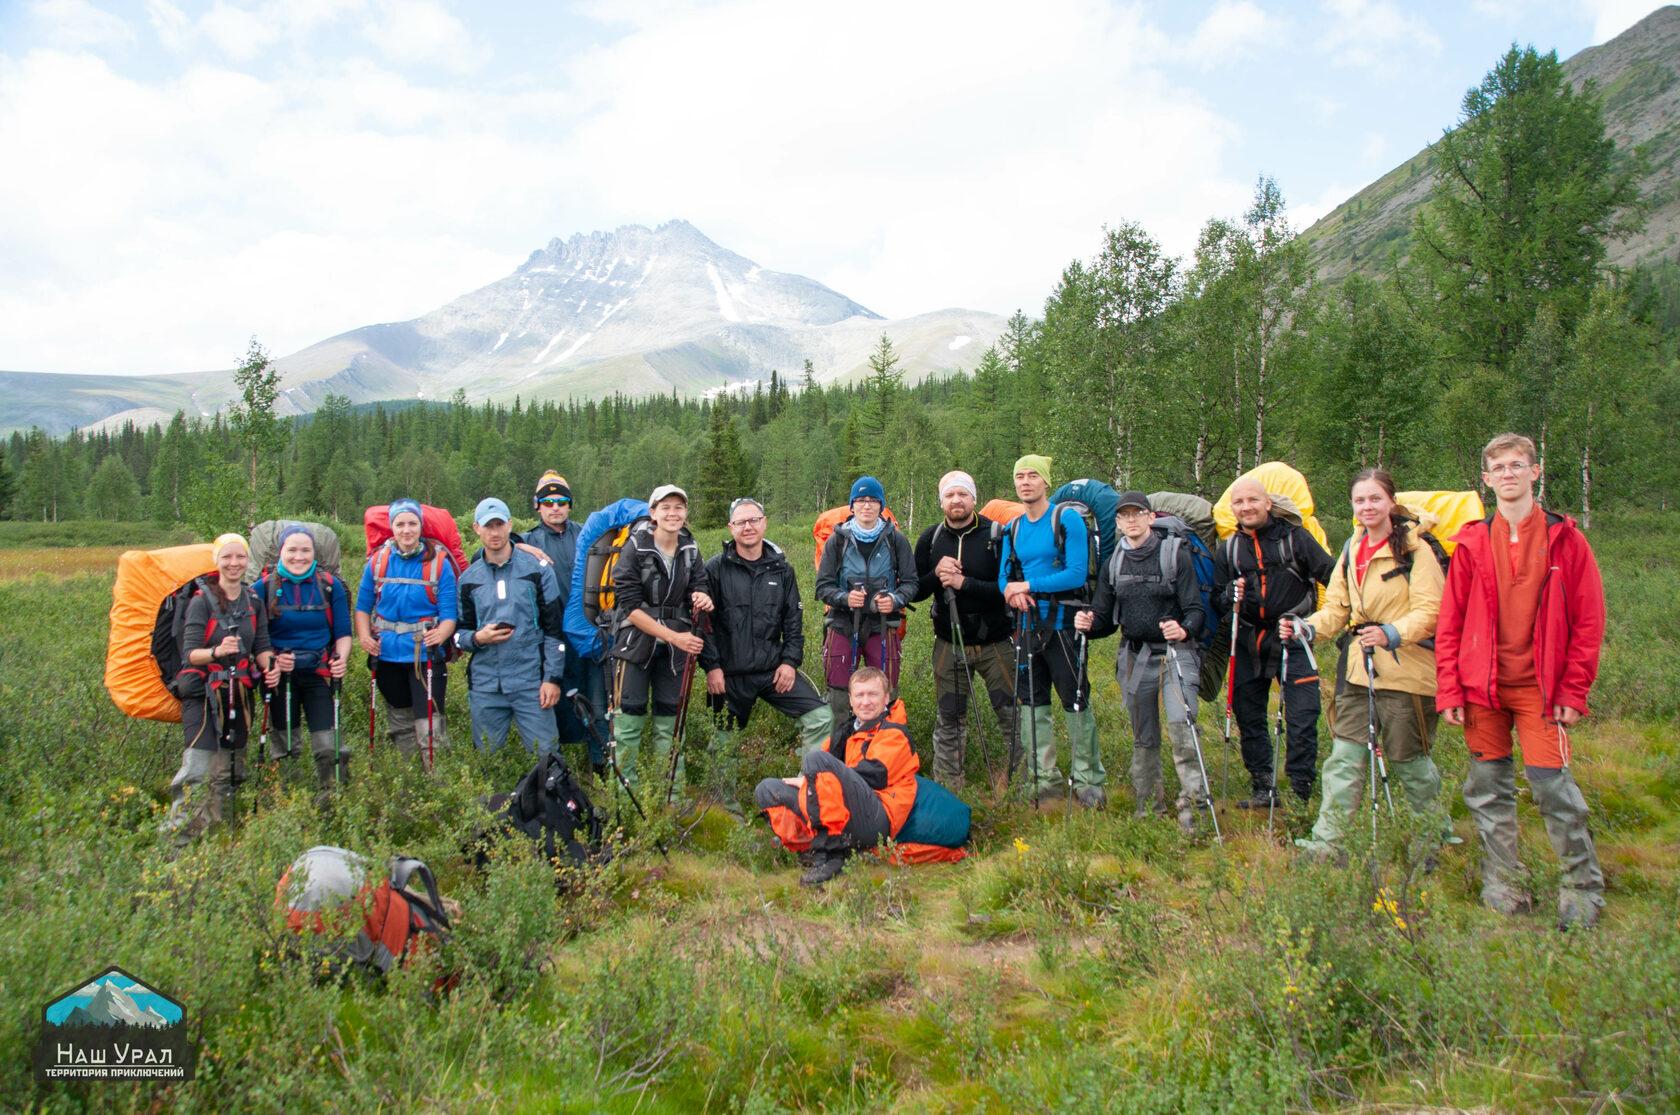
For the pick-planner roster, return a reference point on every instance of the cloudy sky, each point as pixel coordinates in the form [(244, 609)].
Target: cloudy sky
[(181, 175)]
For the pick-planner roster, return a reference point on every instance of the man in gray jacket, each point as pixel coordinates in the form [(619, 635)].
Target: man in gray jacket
[(510, 623)]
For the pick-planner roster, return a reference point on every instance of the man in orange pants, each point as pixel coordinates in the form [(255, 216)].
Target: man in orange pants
[(852, 792), (1522, 620)]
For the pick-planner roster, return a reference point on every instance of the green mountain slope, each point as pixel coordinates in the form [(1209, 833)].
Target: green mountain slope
[(1637, 75)]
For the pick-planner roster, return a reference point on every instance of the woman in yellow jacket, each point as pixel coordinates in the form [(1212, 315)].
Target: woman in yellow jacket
[(1385, 595)]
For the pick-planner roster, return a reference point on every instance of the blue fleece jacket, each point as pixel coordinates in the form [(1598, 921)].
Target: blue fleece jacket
[(406, 603), (300, 622)]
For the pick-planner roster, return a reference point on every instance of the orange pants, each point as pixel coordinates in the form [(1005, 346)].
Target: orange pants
[(1487, 731)]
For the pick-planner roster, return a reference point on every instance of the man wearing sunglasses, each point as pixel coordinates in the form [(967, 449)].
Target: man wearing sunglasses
[(757, 640), (555, 538)]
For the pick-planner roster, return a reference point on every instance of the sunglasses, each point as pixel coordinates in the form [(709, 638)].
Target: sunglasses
[(554, 501)]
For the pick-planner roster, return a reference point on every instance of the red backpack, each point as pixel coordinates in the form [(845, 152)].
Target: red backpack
[(436, 526), (326, 891)]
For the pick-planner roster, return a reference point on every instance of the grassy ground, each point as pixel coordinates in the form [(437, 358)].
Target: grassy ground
[(1084, 963)]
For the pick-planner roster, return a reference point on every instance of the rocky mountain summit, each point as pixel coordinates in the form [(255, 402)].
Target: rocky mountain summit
[(636, 310)]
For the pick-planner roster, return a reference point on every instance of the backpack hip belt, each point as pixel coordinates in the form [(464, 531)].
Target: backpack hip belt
[(398, 627)]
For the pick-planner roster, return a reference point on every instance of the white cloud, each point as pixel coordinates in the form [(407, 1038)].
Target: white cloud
[(1304, 215), (905, 157), (1612, 17), (1375, 147), (1374, 33), (1233, 29), (75, 24)]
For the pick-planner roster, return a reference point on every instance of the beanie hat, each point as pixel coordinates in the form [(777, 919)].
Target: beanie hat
[(957, 478), (552, 484), (294, 528), (867, 487), (1035, 462), (398, 506)]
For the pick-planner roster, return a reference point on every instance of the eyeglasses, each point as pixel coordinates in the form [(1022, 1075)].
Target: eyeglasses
[(1134, 513), (555, 501), (754, 521), (870, 500), (1508, 470)]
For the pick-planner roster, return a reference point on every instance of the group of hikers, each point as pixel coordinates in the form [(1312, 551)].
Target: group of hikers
[(1503, 638)]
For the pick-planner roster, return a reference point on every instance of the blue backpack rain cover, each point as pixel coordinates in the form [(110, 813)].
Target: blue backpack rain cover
[(1104, 503), (585, 637), (937, 817)]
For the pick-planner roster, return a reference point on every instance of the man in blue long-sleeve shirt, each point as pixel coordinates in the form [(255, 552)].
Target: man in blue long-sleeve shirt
[(510, 622), (1043, 580)]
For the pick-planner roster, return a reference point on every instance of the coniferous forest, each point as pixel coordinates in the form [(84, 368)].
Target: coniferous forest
[(1496, 312)]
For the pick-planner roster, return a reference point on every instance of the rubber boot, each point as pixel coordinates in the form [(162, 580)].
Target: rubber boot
[(1343, 779), (399, 729), (664, 729), (1050, 781), (331, 769), (1420, 780), (840, 705), (1490, 793), (1083, 752), (1150, 794), (950, 737), (1192, 786), (815, 728), (437, 737), (1581, 891), (277, 750), (627, 741), (195, 771)]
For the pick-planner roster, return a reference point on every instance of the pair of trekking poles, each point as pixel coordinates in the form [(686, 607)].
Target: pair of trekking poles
[(335, 686), (373, 696)]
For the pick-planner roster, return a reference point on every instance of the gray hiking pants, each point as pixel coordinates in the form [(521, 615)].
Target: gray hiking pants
[(993, 664)]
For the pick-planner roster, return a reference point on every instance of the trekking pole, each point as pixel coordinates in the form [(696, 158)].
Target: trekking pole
[(431, 747), (1032, 693), (586, 713), (262, 740), (682, 716), (336, 685), (1230, 693), (1078, 706), (857, 627), (1282, 731), (1195, 737), (1377, 762), (373, 698), (968, 672)]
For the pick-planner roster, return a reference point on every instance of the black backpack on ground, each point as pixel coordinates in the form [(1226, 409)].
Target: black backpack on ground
[(551, 808)]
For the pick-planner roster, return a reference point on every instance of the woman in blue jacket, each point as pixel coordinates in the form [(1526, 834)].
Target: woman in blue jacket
[(405, 616), (308, 613)]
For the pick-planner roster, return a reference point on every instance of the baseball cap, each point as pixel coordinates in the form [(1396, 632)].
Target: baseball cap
[(490, 509), (664, 490), (1133, 499)]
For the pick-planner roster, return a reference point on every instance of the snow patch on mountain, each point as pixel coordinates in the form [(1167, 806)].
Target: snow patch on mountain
[(726, 305)]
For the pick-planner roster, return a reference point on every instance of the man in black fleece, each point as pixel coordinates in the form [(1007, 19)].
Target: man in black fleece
[(1147, 591), (957, 563)]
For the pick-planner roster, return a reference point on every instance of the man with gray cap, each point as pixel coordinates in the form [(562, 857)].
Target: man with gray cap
[(957, 563), (509, 607), (1148, 593)]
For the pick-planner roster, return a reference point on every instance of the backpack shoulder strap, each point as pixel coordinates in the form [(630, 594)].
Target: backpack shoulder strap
[(1171, 547)]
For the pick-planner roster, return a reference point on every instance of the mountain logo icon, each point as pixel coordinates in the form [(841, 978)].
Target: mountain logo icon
[(114, 1026)]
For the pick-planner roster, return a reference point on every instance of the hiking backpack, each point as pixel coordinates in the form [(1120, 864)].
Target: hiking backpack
[(326, 891), (550, 807), (600, 605), (1095, 556), (437, 526), (265, 547), (584, 634)]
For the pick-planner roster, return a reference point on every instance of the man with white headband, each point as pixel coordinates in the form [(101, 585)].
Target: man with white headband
[(957, 565)]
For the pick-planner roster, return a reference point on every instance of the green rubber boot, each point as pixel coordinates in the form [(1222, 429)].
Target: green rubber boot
[(815, 728), (627, 733), (1083, 754), (664, 730), (1343, 779)]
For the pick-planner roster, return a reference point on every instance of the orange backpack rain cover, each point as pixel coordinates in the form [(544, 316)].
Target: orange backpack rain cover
[(144, 578)]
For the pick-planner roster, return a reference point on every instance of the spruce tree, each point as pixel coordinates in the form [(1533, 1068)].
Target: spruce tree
[(725, 470)]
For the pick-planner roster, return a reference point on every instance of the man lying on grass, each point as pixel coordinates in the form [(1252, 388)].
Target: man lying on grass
[(852, 792)]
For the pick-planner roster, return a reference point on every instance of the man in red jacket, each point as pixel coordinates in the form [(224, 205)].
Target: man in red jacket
[(1522, 620)]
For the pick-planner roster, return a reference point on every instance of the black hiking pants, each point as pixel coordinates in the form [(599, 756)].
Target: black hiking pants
[(1301, 703)]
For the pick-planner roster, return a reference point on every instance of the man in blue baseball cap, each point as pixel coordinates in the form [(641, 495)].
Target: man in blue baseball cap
[(510, 623)]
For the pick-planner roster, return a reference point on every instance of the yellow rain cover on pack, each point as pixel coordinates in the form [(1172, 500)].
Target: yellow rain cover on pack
[(1451, 510), (1278, 479), (144, 578)]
